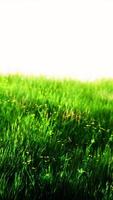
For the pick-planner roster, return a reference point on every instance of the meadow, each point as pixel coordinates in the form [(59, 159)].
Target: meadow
[(56, 139)]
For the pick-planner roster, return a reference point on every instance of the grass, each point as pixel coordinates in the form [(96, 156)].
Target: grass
[(56, 139)]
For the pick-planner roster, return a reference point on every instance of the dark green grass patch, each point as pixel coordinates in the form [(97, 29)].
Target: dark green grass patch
[(56, 139)]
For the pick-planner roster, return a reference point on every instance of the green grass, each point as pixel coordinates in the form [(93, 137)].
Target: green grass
[(56, 139)]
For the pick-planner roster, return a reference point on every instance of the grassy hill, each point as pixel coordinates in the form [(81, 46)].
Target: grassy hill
[(56, 139)]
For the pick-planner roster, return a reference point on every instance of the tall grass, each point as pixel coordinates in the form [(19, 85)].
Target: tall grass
[(56, 139)]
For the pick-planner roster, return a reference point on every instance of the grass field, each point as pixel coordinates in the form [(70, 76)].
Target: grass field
[(56, 139)]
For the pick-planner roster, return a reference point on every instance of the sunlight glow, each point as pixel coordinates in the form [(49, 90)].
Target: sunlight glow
[(72, 38)]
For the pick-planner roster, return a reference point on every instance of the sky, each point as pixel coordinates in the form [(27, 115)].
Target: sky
[(71, 38)]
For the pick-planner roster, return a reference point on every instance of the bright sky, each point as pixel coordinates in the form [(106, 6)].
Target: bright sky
[(57, 37)]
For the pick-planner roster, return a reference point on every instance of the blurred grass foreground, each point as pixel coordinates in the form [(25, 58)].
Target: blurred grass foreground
[(56, 139)]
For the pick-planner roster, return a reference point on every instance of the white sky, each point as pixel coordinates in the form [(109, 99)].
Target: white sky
[(57, 37)]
